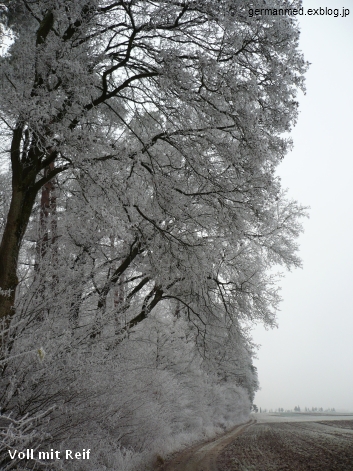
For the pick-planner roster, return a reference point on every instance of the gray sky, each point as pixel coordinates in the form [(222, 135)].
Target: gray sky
[(308, 360)]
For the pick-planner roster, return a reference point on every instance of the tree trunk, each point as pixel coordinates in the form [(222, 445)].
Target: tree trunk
[(47, 233), (19, 213), (22, 201), (26, 164)]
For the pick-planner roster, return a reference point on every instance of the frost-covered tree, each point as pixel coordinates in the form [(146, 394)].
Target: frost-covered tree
[(140, 204), (178, 112)]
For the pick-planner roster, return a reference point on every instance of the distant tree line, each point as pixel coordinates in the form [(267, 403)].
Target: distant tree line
[(296, 409)]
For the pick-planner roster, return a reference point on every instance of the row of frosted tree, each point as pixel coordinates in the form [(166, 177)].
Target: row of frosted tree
[(141, 219)]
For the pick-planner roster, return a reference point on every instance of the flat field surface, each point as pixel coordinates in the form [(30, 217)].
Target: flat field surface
[(295, 442)]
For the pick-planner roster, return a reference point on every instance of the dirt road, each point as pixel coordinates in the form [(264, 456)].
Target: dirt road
[(275, 443), (203, 457)]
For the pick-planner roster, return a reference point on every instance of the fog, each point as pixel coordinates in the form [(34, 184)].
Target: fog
[(307, 361)]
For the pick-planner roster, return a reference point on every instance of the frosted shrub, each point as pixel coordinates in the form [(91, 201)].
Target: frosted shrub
[(122, 404)]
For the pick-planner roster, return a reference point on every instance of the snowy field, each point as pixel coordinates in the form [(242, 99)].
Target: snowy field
[(300, 417), (292, 442)]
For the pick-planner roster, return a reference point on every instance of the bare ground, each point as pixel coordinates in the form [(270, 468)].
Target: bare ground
[(274, 444), (291, 446)]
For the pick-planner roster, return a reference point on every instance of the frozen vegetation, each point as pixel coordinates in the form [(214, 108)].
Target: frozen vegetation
[(141, 221)]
